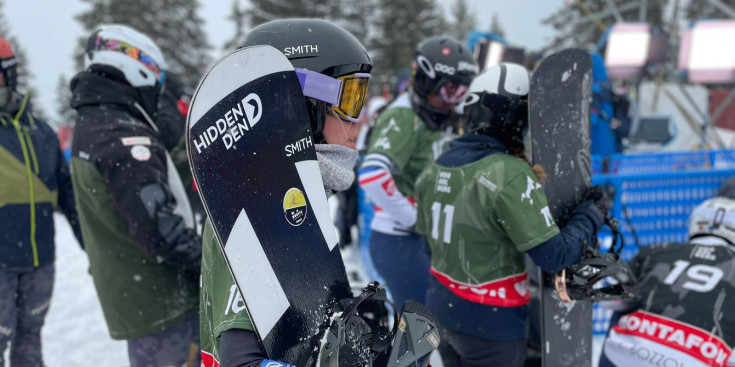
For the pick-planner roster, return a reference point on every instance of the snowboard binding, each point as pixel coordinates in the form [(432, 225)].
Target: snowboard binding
[(358, 337), (598, 276)]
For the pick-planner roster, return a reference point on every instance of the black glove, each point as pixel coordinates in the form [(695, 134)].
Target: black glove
[(602, 197)]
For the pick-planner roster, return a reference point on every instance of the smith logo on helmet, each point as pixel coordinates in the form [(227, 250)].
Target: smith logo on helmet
[(233, 124), (303, 49)]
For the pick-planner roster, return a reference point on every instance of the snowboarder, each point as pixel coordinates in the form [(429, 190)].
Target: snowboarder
[(409, 135), (681, 316), (35, 180), (144, 253), (481, 207), (228, 337)]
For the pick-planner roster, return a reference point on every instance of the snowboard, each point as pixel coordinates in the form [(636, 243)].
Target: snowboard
[(252, 154), (559, 124)]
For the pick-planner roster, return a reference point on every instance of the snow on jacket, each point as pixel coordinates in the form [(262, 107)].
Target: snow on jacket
[(136, 221)]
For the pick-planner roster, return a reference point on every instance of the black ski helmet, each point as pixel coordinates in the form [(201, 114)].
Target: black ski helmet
[(497, 103), (316, 45), (439, 61)]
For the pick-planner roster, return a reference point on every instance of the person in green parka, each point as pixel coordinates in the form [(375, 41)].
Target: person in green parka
[(137, 224)]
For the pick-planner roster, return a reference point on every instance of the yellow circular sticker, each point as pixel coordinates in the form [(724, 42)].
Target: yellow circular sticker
[(294, 206)]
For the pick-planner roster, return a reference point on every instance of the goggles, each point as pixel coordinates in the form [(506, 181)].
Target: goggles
[(451, 93), (346, 94), (106, 44)]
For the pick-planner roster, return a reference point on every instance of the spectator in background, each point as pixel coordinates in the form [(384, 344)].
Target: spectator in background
[(35, 181), (144, 253), (601, 110)]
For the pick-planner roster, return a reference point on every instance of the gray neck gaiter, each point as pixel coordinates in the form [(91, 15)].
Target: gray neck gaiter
[(336, 164)]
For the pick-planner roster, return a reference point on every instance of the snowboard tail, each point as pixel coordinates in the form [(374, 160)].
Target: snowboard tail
[(559, 122)]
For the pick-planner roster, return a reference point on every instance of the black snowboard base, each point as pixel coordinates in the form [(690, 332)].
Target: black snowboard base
[(559, 123)]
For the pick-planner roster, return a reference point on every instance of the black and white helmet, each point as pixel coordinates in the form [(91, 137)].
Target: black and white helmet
[(322, 47), (445, 68), (714, 217), (130, 52), (497, 102)]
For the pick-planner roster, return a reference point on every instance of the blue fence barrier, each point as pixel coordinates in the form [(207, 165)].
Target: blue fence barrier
[(655, 193)]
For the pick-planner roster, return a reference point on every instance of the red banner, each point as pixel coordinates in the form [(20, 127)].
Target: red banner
[(698, 343), (511, 291)]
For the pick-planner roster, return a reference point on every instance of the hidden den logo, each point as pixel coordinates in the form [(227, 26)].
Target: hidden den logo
[(232, 125)]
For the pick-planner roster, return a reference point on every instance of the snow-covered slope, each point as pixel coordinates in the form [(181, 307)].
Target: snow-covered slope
[(75, 333)]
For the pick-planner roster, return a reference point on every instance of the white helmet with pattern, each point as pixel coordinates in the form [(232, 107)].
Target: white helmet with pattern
[(714, 217), (131, 52)]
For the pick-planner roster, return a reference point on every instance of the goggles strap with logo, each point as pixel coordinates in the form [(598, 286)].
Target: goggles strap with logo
[(319, 86)]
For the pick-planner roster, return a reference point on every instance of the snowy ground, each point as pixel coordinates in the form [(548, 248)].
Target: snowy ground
[(75, 333)]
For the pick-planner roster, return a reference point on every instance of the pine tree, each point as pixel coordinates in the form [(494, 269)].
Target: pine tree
[(67, 115), (582, 22), (464, 20), (400, 27), (262, 11), (17, 49), (24, 75), (353, 15), (238, 16), (496, 27), (174, 25), (357, 17)]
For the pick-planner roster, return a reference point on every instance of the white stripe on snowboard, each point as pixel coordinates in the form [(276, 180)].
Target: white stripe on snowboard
[(234, 71), (312, 181), (255, 276)]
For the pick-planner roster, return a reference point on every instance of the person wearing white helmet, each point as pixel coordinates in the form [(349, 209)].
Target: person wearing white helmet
[(682, 315), (481, 208), (144, 252)]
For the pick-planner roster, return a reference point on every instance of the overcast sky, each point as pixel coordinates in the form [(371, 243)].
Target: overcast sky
[(48, 31)]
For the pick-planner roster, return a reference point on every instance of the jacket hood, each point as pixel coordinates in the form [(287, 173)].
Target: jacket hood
[(92, 89), (470, 148)]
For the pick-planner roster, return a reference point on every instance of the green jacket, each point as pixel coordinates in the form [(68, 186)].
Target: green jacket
[(221, 305), (137, 225)]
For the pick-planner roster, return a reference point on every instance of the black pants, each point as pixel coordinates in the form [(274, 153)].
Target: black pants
[(459, 349)]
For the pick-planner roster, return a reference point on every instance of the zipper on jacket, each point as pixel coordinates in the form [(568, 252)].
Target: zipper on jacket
[(31, 188), (27, 130)]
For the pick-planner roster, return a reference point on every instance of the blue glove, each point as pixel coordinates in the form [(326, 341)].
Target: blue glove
[(269, 363)]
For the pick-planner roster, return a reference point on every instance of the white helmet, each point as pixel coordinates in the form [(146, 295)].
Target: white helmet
[(511, 80), (497, 101), (714, 217), (127, 50)]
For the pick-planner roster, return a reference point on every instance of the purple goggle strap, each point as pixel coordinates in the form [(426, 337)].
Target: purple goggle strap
[(319, 86)]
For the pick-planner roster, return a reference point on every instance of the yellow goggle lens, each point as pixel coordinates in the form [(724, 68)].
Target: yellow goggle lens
[(352, 95)]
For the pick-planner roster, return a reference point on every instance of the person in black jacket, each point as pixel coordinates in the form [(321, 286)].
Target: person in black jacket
[(136, 220), (34, 181)]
